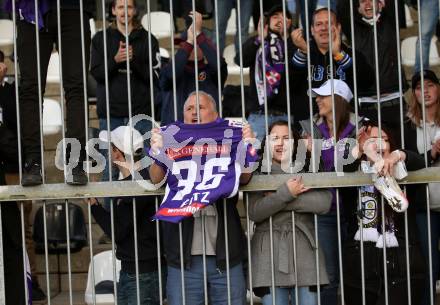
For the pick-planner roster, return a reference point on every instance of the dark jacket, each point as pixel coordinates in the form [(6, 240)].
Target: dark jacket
[(237, 239), (117, 73), (124, 236), (185, 77), (278, 101), (320, 73), (364, 43)]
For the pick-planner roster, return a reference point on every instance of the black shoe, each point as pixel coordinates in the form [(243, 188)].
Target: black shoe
[(31, 173), (78, 177), (37, 293)]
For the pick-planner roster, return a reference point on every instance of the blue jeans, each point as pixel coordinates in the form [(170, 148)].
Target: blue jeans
[(305, 296), (142, 126), (429, 17), (328, 241), (224, 12), (258, 123), (148, 288), (422, 224), (217, 284)]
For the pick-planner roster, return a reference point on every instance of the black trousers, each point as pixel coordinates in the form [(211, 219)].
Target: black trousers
[(72, 74), (12, 254)]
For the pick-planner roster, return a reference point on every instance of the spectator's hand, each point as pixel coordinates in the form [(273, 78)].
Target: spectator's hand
[(265, 29), (336, 39), (435, 150), (296, 186), (121, 55), (362, 137), (385, 166), (248, 134), (3, 70), (298, 40), (197, 21), (156, 141), (308, 142)]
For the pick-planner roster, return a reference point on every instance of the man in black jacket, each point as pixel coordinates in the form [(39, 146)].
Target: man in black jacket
[(122, 151), (387, 56), (275, 93), (138, 55), (208, 71), (320, 54)]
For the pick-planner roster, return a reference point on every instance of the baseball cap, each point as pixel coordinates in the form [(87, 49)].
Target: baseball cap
[(339, 88), (276, 9), (120, 137), (427, 74)]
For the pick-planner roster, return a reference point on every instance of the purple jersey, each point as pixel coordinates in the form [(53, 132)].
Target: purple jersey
[(203, 164)]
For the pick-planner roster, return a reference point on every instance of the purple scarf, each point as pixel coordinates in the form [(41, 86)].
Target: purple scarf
[(26, 10)]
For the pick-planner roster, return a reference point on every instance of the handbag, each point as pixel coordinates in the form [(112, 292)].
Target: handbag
[(434, 192)]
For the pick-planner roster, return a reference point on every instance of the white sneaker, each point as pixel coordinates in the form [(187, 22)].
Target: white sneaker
[(389, 188)]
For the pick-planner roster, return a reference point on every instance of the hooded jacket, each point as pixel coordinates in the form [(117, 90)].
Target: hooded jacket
[(117, 72)]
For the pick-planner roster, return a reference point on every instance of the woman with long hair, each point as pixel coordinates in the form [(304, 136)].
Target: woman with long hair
[(273, 211), (415, 127)]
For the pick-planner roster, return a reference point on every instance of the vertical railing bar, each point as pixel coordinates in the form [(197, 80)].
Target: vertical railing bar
[(2, 264), (384, 250), (402, 139), (196, 79), (240, 54), (379, 115), (159, 255), (136, 251), (338, 218), (272, 267), (40, 94), (228, 276), (182, 264), (248, 238), (23, 244), (425, 155), (69, 266), (46, 253), (205, 278), (112, 227), (219, 55), (295, 263), (92, 261)]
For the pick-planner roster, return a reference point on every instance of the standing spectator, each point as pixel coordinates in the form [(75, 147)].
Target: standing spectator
[(123, 152), (71, 61), (275, 77), (9, 117), (414, 140), (278, 205), (185, 71), (194, 128), (387, 56), (345, 129), (224, 12), (138, 55), (367, 212), (11, 225), (429, 13)]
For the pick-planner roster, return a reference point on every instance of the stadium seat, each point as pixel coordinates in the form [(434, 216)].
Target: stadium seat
[(408, 18), (231, 27), (53, 70), (160, 24), (103, 267), (164, 53), (52, 118), (233, 68), (408, 50), (7, 36)]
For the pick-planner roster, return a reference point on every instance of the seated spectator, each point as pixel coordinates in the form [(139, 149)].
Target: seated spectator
[(367, 212), (320, 60), (290, 197), (9, 120), (138, 55), (275, 92), (193, 129), (414, 140), (122, 154), (387, 57), (208, 71)]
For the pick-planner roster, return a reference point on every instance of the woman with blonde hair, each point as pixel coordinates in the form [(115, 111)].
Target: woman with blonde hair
[(415, 128)]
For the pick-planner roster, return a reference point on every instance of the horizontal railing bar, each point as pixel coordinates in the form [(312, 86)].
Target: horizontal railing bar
[(258, 183)]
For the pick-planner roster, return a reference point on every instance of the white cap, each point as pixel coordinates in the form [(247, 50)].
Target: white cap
[(120, 137), (339, 88)]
